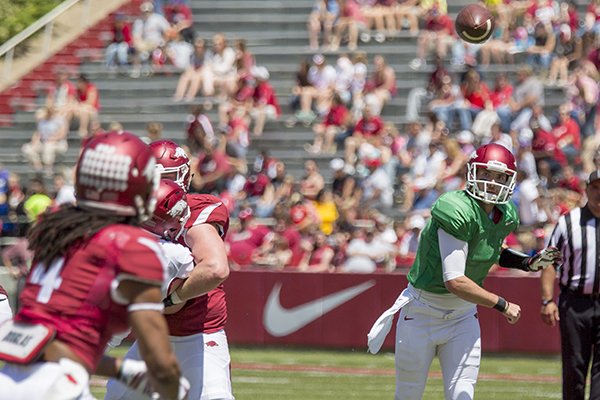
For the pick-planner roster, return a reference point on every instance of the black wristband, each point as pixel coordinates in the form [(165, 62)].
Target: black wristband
[(168, 301), (501, 305)]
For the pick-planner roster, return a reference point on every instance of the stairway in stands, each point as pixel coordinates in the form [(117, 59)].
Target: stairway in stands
[(276, 35)]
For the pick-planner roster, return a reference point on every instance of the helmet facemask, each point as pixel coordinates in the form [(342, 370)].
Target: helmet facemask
[(490, 191)]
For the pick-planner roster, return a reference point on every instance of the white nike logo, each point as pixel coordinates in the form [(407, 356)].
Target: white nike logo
[(279, 321)]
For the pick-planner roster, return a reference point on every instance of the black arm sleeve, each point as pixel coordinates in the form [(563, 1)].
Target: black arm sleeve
[(514, 259)]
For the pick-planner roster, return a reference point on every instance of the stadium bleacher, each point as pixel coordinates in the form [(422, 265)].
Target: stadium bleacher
[(276, 35)]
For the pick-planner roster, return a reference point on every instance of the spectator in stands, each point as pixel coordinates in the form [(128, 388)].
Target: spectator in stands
[(421, 180), (322, 78), (567, 134), (406, 11), (117, 52), (367, 130), (48, 140), (475, 95), (583, 94), (301, 83), (210, 167), (321, 257), (321, 19), (64, 191), (378, 191), (87, 106), (61, 95), (326, 210), (366, 252), (312, 182), (179, 52), (443, 101), (498, 137), (198, 127), (409, 241), (37, 199), (336, 122), (244, 59), (540, 54), (567, 50), (222, 65), (528, 93), (179, 15), (350, 19), (193, 77), (438, 33), (274, 255), (148, 34), (265, 106), (381, 85), (245, 242), (4, 206)]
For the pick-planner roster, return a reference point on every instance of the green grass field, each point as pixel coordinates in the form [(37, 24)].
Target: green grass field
[(310, 374)]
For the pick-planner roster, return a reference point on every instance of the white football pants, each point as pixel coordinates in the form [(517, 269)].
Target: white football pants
[(422, 332), (204, 360)]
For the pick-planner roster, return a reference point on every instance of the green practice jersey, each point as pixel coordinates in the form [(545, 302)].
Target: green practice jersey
[(461, 216)]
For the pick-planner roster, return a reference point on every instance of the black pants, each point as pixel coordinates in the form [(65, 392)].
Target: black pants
[(580, 340)]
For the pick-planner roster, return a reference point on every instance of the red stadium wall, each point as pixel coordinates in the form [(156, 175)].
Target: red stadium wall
[(297, 317)]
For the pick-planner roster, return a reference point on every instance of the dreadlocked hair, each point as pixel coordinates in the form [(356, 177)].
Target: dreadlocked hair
[(56, 232)]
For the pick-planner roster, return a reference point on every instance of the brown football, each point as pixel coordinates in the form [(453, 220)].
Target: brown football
[(474, 23)]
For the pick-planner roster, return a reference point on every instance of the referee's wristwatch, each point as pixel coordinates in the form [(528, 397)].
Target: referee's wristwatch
[(546, 302)]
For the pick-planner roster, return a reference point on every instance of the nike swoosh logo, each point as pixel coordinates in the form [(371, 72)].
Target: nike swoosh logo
[(279, 321), (5, 298), (407, 318)]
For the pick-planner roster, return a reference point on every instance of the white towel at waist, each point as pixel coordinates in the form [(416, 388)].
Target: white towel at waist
[(382, 326)]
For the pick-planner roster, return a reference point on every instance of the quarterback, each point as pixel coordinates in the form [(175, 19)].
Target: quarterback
[(460, 243)]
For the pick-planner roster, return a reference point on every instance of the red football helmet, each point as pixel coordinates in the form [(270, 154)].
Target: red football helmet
[(116, 173), (171, 213), (493, 158), (171, 159)]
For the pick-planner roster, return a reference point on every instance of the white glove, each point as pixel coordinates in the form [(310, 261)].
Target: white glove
[(134, 374), (545, 258)]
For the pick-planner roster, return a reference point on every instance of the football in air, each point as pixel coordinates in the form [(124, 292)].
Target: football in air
[(474, 23)]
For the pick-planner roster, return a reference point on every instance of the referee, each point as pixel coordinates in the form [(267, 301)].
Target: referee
[(577, 236)]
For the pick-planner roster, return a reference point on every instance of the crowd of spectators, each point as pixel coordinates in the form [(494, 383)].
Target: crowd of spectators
[(339, 219)]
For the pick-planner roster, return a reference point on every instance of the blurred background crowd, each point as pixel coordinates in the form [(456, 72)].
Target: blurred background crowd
[(364, 213)]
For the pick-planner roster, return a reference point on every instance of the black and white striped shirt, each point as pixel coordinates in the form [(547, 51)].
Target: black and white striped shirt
[(577, 236)]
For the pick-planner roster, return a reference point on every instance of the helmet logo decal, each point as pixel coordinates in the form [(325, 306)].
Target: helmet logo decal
[(179, 152), (178, 209), (104, 169)]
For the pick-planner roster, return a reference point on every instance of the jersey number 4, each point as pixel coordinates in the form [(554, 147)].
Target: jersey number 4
[(48, 279)]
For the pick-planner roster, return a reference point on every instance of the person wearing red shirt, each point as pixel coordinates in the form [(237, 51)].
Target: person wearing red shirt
[(196, 311), (544, 148), (438, 28), (94, 274), (568, 135), (88, 104), (211, 168), (475, 94), (117, 52), (265, 105), (367, 129), (335, 122), (244, 243)]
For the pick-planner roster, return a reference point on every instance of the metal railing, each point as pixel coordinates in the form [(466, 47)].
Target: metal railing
[(7, 50)]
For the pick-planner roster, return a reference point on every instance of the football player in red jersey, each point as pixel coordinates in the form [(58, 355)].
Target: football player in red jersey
[(94, 273), (197, 311), (5, 311)]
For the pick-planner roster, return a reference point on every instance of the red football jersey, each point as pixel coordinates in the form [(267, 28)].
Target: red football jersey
[(208, 313), (74, 293)]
